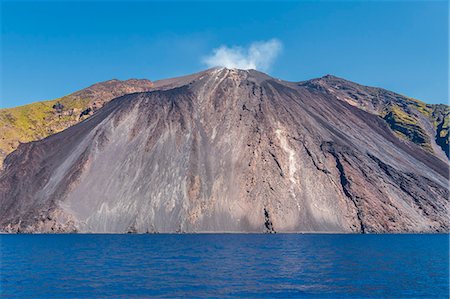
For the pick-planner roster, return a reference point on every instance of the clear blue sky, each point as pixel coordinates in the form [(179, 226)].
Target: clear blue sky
[(50, 49)]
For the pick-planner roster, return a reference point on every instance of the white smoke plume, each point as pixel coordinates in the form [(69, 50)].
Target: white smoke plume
[(259, 56)]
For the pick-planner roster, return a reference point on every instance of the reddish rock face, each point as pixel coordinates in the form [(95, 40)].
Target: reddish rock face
[(226, 150)]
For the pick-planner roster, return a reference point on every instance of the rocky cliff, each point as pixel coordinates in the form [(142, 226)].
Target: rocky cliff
[(231, 151), (427, 125)]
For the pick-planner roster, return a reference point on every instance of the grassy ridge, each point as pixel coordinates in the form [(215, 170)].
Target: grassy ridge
[(407, 126), (406, 123), (38, 120), (410, 119)]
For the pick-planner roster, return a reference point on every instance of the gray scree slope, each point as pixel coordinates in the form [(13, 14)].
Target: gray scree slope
[(225, 151)]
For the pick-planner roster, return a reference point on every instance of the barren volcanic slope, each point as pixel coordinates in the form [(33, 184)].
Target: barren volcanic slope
[(229, 150), (41, 119)]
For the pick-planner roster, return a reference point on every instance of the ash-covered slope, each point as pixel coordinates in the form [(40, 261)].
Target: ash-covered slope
[(427, 125), (41, 119), (225, 150)]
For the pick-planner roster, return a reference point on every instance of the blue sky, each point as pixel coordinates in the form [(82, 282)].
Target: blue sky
[(50, 49)]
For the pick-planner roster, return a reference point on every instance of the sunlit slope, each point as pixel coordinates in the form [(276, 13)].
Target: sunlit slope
[(229, 150), (41, 119), (424, 124)]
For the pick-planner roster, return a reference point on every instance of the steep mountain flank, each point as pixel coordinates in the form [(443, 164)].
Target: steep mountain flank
[(227, 150), (424, 124), (41, 119)]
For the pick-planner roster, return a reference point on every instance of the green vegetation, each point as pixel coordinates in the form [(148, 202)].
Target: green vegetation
[(441, 115), (36, 121), (41, 119), (404, 119), (407, 126), (424, 108)]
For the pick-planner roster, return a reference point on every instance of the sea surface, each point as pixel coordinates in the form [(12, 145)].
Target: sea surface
[(224, 265)]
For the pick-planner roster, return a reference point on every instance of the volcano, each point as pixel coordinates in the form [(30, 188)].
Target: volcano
[(228, 150)]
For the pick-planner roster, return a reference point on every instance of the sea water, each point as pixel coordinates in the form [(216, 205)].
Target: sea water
[(224, 265)]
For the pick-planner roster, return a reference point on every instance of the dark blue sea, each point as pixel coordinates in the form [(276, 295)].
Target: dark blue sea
[(224, 265)]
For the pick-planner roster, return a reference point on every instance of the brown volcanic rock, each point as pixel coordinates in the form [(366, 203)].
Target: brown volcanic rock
[(225, 150), (426, 125), (41, 119), (103, 92)]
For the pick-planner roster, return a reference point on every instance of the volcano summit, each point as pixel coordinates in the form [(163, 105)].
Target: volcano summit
[(230, 150)]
